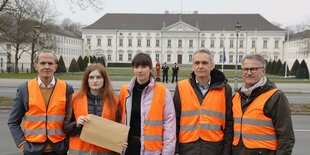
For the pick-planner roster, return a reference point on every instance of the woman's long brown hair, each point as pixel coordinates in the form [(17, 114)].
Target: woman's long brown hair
[(107, 92)]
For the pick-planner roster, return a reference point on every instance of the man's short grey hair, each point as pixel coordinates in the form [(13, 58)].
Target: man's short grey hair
[(207, 52), (257, 57), (36, 60)]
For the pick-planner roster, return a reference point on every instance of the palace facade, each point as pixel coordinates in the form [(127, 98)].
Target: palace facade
[(175, 37)]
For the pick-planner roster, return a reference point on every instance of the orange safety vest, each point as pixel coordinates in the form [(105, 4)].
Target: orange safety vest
[(153, 129), (205, 121), (80, 107), (256, 129), (41, 121)]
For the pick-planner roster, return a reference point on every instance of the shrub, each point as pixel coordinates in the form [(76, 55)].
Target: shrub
[(302, 71), (74, 66), (61, 66)]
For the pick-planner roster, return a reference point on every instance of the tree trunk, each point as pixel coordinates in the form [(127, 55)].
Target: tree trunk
[(16, 58), (32, 56)]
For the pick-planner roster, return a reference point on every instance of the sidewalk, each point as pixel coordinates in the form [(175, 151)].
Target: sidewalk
[(288, 88), (285, 87)]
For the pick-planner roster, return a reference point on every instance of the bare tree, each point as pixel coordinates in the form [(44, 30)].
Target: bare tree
[(44, 16), (15, 26), (71, 26), (3, 4), (85, 4)]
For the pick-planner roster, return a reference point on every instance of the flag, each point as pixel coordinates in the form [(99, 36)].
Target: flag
[(224, 55), (224, 59)]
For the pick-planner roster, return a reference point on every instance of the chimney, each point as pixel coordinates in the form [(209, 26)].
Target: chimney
[(195, 12), (166, 12)]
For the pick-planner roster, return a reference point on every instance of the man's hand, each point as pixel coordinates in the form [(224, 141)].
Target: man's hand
[(22, 146)]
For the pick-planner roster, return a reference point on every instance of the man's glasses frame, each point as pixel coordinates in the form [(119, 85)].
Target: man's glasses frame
[(252, 69)]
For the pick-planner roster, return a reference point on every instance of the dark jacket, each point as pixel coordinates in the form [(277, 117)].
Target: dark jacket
[(20, 107), (165, 69), (218, 80), (277, 108), (175, 69)]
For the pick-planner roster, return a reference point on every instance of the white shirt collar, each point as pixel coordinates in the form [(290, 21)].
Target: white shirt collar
[(50, 85), (201, 86)]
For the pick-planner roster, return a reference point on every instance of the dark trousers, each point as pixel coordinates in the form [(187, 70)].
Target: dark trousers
[(134, 145), (201, 147), (48, 153), (176, 78), (165, 77)]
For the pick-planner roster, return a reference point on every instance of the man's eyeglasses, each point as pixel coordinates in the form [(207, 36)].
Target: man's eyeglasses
[(252, 70)]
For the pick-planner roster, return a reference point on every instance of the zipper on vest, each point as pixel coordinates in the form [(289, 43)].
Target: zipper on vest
[(48, 103)]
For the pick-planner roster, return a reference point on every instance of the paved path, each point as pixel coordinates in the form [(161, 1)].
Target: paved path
[(296, 93)]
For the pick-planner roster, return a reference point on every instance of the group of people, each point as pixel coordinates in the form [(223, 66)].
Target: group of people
[(202, 117), (175, 71)]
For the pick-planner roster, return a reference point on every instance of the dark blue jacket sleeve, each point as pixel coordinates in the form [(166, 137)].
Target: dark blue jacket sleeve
[(16, 116)]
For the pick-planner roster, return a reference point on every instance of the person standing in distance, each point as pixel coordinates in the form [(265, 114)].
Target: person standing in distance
[(204, 110), (262, 116), (41, 105), (175, 71), (165, 69)]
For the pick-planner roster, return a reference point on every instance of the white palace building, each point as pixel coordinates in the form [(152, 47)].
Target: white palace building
[(297, 47), (175, 37)]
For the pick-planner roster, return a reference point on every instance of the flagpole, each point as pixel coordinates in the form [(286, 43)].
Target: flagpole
[(88, 55), (288, 39), (223, 52), (255, 41)]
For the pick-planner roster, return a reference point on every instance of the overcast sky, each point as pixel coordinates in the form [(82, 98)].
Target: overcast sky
[(285, 12)]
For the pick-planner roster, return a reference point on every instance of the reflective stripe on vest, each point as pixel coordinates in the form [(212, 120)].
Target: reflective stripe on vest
[(153, 129), (206, 121), (41, 122), (255, 129), (80, 108), (44, 131)]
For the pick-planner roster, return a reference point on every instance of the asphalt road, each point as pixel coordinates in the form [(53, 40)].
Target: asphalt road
[(301, 127)]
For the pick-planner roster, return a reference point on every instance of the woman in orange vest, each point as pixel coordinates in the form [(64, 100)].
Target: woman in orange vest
[(96, 97), (148, 109)]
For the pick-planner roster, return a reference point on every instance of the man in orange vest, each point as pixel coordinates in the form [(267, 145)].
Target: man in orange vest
[(41, 104), (262, 117), (204, 110)]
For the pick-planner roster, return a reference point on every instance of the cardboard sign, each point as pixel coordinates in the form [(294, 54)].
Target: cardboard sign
[(105, 133)]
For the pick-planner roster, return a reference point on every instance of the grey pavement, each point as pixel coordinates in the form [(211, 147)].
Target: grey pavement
[(286, 87), (295, 92)]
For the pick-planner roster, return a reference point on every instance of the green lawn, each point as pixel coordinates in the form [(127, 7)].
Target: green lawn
[(6, 101), (125, 74)]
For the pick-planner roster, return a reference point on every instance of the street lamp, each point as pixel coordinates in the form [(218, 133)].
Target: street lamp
[(237, 29), (37, 31)]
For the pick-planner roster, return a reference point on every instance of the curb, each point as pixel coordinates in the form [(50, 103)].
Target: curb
[(5, 107), (292, 113)]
